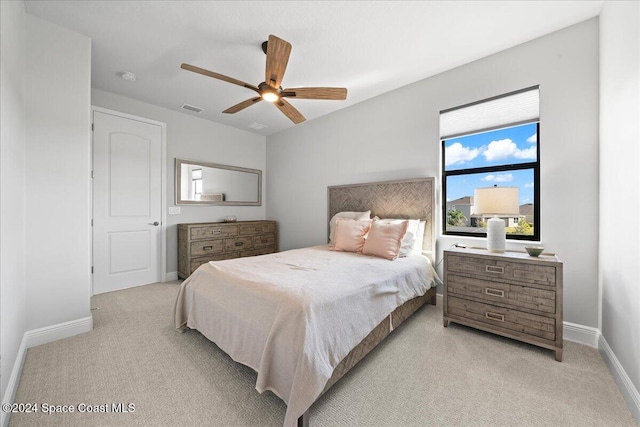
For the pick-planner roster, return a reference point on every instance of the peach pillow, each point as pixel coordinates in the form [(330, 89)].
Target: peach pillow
[(350, 234), (358, 216), (385, 239)]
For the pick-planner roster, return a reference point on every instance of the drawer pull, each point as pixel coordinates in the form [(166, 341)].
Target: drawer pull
[(207, 248), (494, 316), (239, 243), (494, 292), (494, 269), (216, 231)]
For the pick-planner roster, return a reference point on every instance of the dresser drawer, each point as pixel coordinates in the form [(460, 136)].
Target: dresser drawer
[(197, 262), (206, 247), (238, 244), (514, 295), (501, 318), (503, 270), (267, 240), (257, 228), (209, 231)]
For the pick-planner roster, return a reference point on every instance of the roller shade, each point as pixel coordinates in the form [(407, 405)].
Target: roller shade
[(511, 109)]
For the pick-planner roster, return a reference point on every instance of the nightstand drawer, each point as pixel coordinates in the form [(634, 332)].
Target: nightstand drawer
[(504, 319), (517, 296), (503, 270)]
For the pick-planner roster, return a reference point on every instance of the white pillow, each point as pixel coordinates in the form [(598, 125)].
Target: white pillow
[(417, 245), (358, 216), (409, 241)]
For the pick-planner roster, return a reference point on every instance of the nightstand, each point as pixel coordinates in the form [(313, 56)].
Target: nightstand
[(510, 294)]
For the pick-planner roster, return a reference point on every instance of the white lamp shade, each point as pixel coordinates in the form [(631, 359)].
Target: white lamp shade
[(496, 201)]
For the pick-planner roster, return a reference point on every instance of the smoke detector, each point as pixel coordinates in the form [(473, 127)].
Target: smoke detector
[(128, 76)]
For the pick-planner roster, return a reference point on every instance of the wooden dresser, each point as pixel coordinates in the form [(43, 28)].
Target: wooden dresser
[(510, 294), (200, 243)]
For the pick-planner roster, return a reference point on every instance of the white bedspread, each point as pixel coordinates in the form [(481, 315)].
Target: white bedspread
[(293, 316)]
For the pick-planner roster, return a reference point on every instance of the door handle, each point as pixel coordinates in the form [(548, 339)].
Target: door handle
[(156, 223)]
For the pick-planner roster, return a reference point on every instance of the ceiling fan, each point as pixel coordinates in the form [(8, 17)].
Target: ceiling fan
[(270, 90)]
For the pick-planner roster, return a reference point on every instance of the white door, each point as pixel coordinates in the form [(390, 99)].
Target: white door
[(127, 202)]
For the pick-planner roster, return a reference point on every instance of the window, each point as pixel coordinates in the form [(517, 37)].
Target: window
[(196, 184), (492, 144)]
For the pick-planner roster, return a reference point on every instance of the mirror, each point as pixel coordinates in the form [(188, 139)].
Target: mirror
[(199, 183)]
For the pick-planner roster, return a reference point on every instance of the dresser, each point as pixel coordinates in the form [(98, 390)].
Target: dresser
[(199, 243), (510, 294)]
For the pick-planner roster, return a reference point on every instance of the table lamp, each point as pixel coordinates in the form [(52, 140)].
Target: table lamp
[(496, 201)]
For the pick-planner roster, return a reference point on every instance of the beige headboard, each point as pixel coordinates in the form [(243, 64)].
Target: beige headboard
[(408, 198)]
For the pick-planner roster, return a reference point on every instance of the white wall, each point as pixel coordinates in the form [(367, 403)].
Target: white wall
[(396, 136), (193, 138), (58, 167), (620, 184), (12, 187)]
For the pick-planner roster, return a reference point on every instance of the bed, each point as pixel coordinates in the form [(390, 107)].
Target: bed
[(302, 339)]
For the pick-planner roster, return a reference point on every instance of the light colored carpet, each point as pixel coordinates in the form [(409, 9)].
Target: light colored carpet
[(421, 375)]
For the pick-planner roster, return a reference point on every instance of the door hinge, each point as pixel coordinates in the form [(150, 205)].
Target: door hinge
[(92, 269), (91, 174), (91, 127), (92, 222)]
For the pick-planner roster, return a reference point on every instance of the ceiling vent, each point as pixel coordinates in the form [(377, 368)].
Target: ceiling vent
[(192, 108), (257, 126)]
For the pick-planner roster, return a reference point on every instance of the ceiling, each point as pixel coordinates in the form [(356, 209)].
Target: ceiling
[(369, 47)]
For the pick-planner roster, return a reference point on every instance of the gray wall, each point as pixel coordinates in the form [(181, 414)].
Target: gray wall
[(13, 287), (396, 136), (193, 138), (619, 184)]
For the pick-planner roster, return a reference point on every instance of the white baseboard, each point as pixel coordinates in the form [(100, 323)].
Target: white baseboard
[(580, 334), (14, 379), (34, 338), (171, 276), (57, 332), (628, 390)]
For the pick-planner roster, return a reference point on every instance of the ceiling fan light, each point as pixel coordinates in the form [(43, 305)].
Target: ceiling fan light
[(270, 96)]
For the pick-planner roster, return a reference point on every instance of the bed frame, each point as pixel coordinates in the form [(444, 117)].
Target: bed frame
[(410, 199)]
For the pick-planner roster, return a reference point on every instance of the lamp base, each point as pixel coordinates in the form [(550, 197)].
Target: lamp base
[(496, 235)]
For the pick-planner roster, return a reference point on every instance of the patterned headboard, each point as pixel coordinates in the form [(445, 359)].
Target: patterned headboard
[(409, 198)]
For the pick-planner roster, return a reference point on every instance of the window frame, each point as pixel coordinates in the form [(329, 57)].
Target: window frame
[(501, 168)]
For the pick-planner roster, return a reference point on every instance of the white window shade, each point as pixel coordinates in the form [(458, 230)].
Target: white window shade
[(507, 110)]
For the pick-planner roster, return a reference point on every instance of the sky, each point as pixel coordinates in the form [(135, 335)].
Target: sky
[(501, 147)]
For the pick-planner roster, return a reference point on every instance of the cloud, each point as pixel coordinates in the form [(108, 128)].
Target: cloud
[(533, 138), (458, 154), (529, 185), (505, 177), (506, 148)]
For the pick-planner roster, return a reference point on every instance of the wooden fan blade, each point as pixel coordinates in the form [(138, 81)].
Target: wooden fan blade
[(218, 76), (290, 111), (333, 93), (278, 52), (243, 105)]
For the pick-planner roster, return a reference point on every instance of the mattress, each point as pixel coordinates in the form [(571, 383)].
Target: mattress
[(293, 316)]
